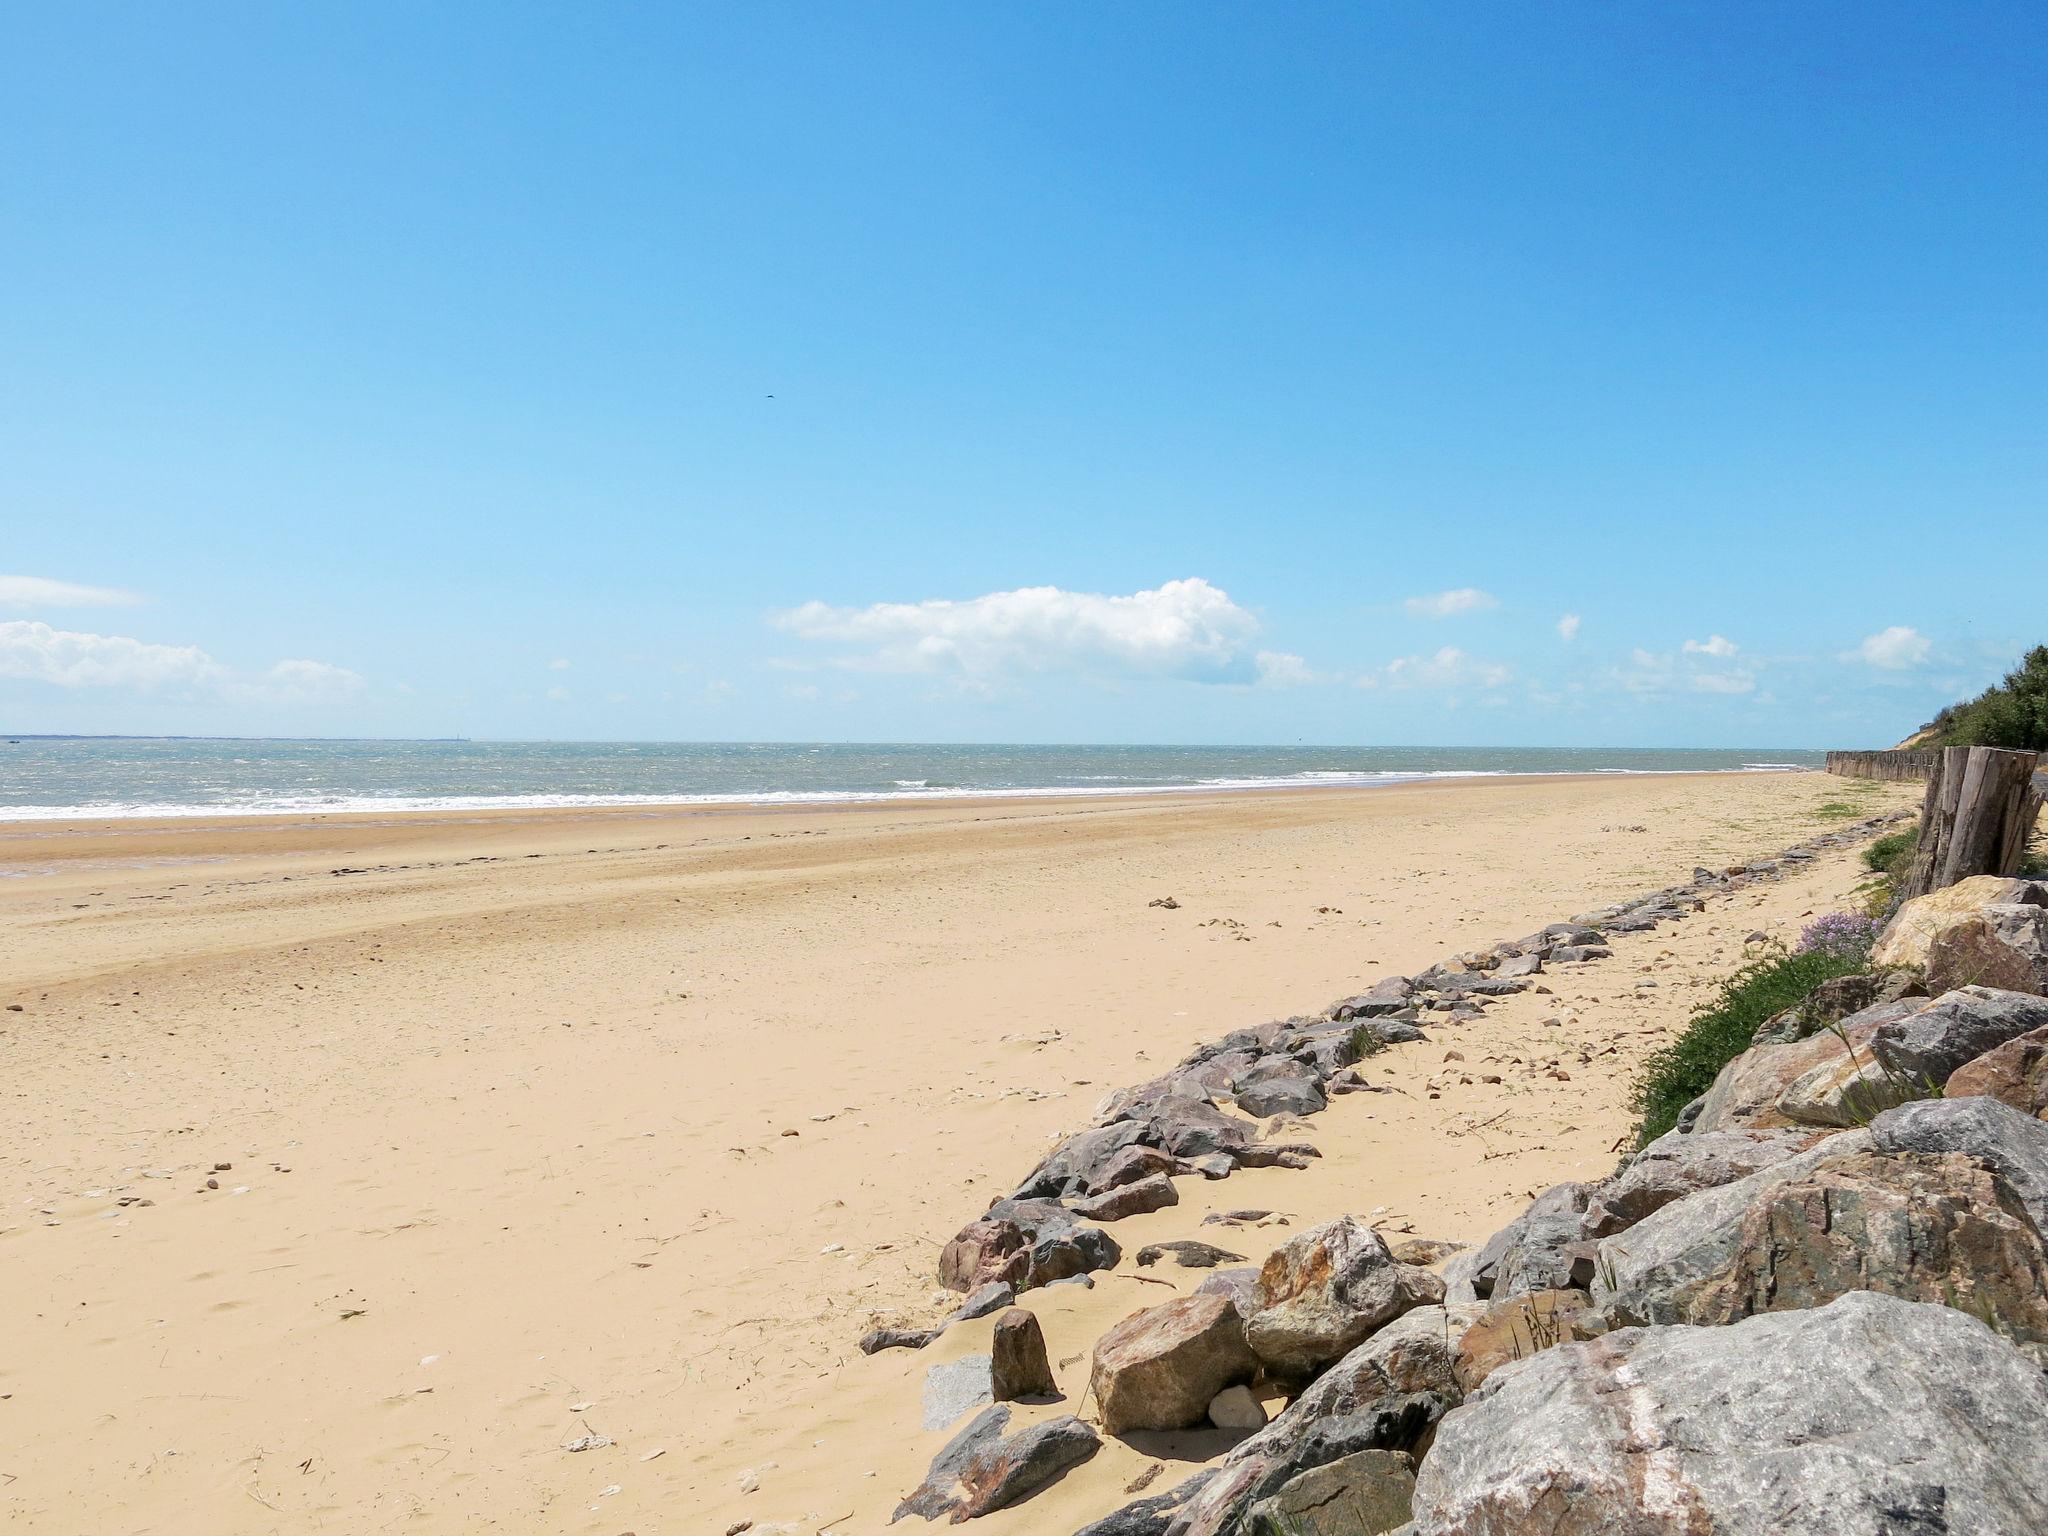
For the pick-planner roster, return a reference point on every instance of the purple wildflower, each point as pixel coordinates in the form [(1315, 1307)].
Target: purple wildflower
[(1839, 933)]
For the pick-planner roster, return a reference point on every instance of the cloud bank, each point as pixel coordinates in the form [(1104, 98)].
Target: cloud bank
[(1182, 629), (42, 592), (33, 651), (1448, 605), (1893, 649)]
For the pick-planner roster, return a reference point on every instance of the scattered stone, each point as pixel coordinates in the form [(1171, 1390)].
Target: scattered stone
[(1870, 1416), (1018, 1364), (1187, 1254), (1237, 1408), (875, 1340), (1160, 1368), (1279, 1085), (1151, 1194), (1324, 1292), (1164, 901)]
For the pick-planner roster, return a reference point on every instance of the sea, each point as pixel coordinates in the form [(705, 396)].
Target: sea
[(67, 778)]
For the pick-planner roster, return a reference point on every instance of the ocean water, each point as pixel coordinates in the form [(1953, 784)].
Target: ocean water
[(63, 778)]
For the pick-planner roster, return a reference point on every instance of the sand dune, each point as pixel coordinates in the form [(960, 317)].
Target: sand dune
[(626, 1124)]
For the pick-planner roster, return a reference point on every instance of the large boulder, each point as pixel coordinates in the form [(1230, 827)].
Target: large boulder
[(1537, 1251), (1748, 1091), (1908, 939), (2002, 1139), (1868, 1417), (1387, 1394), (1078, 1165), (1015, 1467), (1279, 1085), (1921, 1226), (1923, 1047), (1158, 1369), (1677, 1164), (1322, 1293), (1018, 1366), (1695, 1237), (1999, 946), (1024, 1243), (1137, 1199), (1364, 1494), (982, 1252), (1521, 1326), (2016, 1074)]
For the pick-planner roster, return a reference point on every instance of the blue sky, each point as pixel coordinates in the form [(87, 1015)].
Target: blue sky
[(1448, 374)]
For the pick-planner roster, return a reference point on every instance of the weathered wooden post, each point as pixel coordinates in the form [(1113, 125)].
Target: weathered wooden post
[(1981, 804)]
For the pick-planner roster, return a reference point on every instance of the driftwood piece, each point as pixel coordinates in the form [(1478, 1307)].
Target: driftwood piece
[(1980, 806)]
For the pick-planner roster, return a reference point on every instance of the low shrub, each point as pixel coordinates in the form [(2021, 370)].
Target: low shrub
[(1892, 854), (1722, 1030)]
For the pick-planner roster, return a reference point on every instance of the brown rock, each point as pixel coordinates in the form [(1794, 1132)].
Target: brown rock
[(1018, 1364), (1918, 1226), (1324, 1292), (1159, 1368), (984, 1251), (2016, 1073), (1522, 1326), (1908, 939), (2003, 946)]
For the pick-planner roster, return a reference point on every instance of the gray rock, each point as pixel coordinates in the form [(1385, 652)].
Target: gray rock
[(1240, 1285), (1149, 1516), (1679, 1247), (1565, 954), (1323, 1292), (1868, 1417), (2003, 945), (1677, 1164), (1012, 1469), (1521, 965), (875, 1340), (1531, 1252), (993, 1297), (1129, 1166), (1836, 999), (1387, 1394), (935, 1496), (953, 1387), (1077, 1165), (1366, 1493), (1279, 1085), (1925, 1046), (1187, 1254), (2001, 1138)]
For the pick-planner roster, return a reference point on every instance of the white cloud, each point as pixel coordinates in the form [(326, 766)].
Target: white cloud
[(1282, 669), (1447, 668), (1448, 605), (1185, 629), (42, 592), (1568, 626), (1713, 645), (557, 695), (1893, 649), (559, 664), (32, 651), (1723, 682)]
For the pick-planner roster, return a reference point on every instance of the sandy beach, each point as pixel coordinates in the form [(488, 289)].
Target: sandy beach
[(356, 1166)]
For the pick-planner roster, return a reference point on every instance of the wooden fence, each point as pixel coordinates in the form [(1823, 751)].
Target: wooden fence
[(1981, 806), (1910, 765)]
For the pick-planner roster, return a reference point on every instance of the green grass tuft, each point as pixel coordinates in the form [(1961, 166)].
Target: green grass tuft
[(1723, 1030), (1892, 854), (1838, 810)]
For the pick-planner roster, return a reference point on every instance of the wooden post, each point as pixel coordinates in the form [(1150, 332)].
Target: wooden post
[(1980, 806)]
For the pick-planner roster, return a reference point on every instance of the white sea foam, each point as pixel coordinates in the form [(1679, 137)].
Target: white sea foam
[(907, 790)]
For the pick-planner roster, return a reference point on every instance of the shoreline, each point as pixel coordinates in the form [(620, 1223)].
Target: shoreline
[(203, 819)]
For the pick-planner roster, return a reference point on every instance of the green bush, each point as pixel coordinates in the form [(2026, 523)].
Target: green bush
[(1892, 854), (1673, 1077), (2014, 714)]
